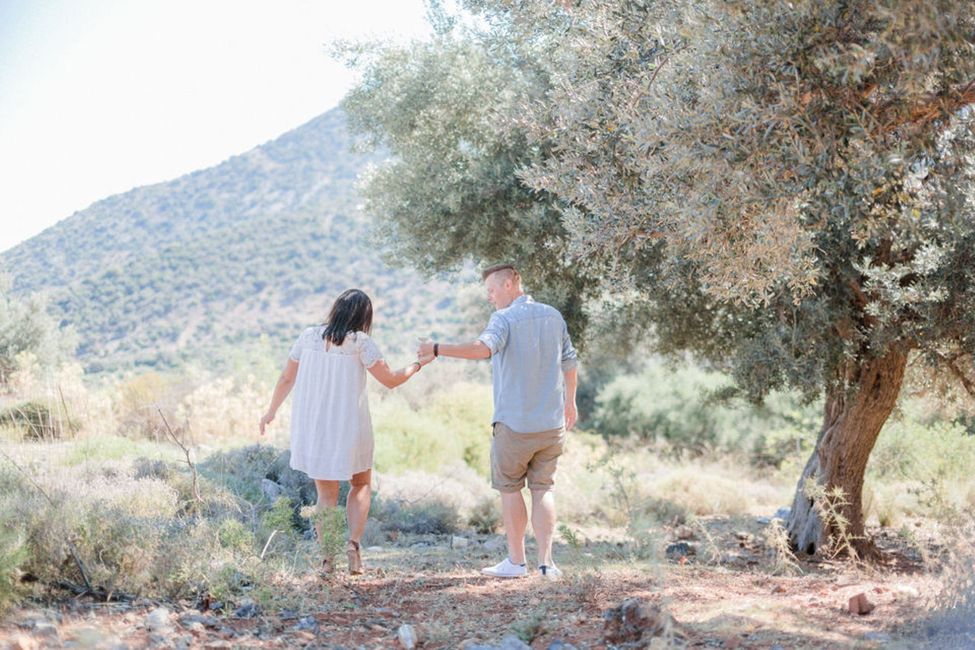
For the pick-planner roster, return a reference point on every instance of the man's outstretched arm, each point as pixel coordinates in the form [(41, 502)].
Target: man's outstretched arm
[(473, 350)]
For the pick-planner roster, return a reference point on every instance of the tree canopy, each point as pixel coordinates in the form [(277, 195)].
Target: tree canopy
[(25, 328), (783, 188)]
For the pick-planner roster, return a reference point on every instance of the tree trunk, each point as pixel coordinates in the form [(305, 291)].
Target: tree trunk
[(852, 420)]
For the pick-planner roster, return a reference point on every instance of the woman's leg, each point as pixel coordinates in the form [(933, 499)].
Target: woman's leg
[(357, 504), (328, 497)]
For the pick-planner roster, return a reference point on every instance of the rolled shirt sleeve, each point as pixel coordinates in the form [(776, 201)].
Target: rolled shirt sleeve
[(569, 357), (495, 335)]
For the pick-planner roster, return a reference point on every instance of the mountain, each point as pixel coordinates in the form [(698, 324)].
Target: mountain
[(209, 264)]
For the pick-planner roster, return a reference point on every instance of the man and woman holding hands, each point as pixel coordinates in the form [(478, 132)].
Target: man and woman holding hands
[(534, 375)]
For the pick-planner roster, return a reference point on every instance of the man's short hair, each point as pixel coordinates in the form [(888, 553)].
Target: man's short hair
[(508, 271)]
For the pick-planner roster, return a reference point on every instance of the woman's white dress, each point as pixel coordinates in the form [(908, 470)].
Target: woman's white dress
[(331, 431)]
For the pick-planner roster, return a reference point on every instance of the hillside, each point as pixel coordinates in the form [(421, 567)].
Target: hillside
[(216, 260)]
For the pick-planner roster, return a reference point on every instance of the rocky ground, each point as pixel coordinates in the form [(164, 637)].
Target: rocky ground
[(711, 587)]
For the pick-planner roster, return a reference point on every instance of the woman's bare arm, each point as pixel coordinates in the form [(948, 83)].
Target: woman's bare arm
[(393, 378), (285, 382)]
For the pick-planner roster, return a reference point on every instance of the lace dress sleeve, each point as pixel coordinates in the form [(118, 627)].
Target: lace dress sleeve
[(295, 354), (369, 352)]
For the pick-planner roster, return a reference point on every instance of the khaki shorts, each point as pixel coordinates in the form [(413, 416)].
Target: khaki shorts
[(516, 456)]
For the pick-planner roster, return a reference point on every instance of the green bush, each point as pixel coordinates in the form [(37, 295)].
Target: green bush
[(485, 517), (234, 536), (692, 410), (452, 424), (242, 469), (13, 555), (329, 526), (283, 517), (662, 404), (125, 533), (920, 468), (36, 420), (424, 518)]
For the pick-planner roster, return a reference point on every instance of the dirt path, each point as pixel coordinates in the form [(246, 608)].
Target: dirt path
[(730, 603)]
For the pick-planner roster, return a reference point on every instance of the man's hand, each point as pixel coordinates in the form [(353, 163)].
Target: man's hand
[(266, 419), (424, 359), (570, 415), (424, 350)]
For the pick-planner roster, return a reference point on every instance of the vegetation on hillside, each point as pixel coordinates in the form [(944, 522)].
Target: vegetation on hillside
[(235, 259)]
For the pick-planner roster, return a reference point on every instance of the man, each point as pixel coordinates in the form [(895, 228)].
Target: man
[(534, 373)]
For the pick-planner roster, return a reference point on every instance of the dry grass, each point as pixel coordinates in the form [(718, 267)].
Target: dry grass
[(420, 580)]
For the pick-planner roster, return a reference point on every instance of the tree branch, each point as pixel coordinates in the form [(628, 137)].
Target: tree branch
[(961, 376), (186, 452)]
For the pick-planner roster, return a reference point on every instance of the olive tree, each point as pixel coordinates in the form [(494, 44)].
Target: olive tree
[(784, 189), (26, 328)]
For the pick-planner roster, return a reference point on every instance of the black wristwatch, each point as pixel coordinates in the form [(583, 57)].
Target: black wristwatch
[(436, 350)]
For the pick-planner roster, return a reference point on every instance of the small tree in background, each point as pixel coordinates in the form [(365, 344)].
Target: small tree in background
[(783, 188), (27, 329)]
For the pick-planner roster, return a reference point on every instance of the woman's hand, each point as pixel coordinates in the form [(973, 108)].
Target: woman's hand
[(266, 419), (281, 390)]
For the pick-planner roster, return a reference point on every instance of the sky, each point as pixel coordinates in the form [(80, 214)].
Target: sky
[(100, 96)]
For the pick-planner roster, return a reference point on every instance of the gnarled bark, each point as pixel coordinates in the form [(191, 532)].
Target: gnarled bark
[(852, 420)]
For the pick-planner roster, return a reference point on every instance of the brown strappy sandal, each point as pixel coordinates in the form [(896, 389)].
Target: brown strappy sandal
[(355, 559), (327, 569)]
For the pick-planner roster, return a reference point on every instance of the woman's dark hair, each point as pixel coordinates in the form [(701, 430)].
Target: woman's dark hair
[(352, 312)]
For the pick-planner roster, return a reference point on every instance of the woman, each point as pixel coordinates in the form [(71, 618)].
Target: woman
[(331, 431)]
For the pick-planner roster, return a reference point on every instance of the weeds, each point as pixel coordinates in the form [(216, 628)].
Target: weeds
[(829, 505), (329, 526), (570, 537), (589, 588), (713, 551), (531, 627), (485, 518), (784, 561), (13, 555)]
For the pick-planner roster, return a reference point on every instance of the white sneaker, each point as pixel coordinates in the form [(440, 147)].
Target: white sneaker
[(506, 569), (549, 571)]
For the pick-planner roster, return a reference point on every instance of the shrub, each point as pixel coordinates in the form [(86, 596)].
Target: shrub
[(485, 517), (661, 403), (455, 485), (920, 468), (690, 409), (329, 526), (36, 420), (13, 554), (425, 518), (126, 532), (282, 517), (450, 425), (241, 471), (234, 537), (700, 493)]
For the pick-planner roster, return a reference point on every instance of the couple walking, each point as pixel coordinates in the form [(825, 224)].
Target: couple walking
[(534, 374)]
